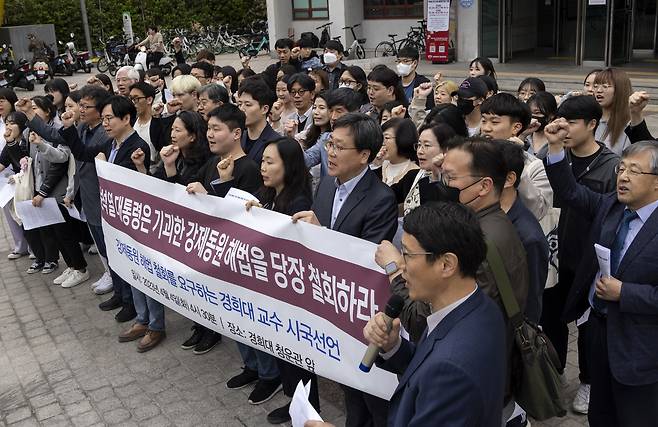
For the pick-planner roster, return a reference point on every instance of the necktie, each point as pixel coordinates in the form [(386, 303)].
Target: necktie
[(615, 253), (618, 245)]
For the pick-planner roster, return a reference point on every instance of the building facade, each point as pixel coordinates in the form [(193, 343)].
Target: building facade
[(575, 32)]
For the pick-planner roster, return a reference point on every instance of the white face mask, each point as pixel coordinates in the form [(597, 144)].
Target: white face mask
[(403, 69), (345, 85), (330, 58)]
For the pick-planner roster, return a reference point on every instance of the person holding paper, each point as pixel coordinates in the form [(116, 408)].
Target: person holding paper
[(455, 375), (354, 201), (623, 320), (287, 190), (118, 117), (592, 164), (53, 171), (228, 167), (14, 150), (86, 118)]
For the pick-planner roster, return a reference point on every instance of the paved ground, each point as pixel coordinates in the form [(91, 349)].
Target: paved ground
[(61, 364)]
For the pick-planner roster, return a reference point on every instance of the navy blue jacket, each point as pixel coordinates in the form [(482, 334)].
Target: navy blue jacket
[(456, 375), (632, 324)]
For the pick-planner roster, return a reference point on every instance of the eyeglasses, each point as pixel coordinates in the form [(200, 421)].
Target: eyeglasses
[(330, 145), (347, 82), (424, 147), (407, 255), (86, 107), (107, 118), (300, 92), (136, 99), (620, 169)]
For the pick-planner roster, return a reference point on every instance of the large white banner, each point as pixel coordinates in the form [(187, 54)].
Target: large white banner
[(297, 291)]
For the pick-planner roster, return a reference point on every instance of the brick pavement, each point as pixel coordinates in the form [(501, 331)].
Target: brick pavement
[(61, 365)]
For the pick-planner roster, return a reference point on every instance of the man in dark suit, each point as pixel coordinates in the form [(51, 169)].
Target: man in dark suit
[(118, 115), (455, 375), (354, 201), (624, 306)]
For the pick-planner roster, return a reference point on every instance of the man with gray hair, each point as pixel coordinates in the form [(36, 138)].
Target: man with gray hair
[(620, 292), (211, 96), (126, 77)]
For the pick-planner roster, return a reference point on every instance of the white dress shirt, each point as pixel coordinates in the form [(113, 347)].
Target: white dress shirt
[(343, 191)]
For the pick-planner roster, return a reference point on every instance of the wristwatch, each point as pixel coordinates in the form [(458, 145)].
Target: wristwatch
[(391, 268)]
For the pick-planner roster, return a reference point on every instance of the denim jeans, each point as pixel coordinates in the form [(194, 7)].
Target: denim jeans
[(121, 288), (259, 361), (149, 311)]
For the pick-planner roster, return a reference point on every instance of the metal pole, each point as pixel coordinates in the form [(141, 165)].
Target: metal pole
[(85, 25)]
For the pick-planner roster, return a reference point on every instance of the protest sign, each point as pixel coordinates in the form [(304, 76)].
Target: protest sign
[(297, 291)]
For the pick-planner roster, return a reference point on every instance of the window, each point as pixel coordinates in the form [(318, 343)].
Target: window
[(392, 9), (310, 9)]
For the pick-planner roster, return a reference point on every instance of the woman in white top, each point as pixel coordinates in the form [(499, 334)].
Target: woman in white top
[(398, 154), (612, 87)]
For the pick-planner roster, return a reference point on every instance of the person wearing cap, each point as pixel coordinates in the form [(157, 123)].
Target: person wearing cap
[(309, 59), (333, 54), (470, 95)]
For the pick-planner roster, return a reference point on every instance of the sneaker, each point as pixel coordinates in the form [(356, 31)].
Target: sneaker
[(279, 415), (126, 313), (135, 332), (75, 278), (194, 340), (35, 268), (103, 285), (265, 390), (150, 340), (49, 267), (32, 256), (208, 342), (62, 277), (15, 255), (242, 380), (111, 304), (581, 401), (93, 250)]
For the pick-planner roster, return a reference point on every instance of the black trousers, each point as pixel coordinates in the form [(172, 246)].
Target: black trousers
[(612, 404), (153, 57), (291, 375), (47, 242), (364, 410), (557, 330)]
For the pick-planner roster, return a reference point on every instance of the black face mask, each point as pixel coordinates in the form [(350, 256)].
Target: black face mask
[(543, 121), (451, 194), (465, 105)]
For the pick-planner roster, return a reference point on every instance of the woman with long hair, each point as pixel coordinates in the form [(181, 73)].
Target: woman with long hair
[(59, 90), (481, 66), (612, 88), (287, 190), (543, 108)]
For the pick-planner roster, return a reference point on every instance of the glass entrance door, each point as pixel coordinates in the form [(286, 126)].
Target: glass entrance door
[(620, 32)]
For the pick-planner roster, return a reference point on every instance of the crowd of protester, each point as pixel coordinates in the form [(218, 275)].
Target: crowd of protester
[(429, 170)]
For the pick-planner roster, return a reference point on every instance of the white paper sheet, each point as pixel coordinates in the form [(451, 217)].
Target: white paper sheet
[(73, 212), (240, 195), (301, 409), (603, 256), (7, 192), (47, 214)]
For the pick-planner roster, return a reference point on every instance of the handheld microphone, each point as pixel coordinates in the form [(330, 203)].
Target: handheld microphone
[(392, 311)]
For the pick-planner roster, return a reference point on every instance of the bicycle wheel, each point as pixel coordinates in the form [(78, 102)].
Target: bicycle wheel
[(360, 52), (102, 65), (384, 49)]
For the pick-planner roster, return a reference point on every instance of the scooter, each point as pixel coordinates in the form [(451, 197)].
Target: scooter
[(79, 60), (16, 75), (140, 60), (41, 70)]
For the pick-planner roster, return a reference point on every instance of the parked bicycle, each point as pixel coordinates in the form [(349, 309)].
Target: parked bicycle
[(252, 48), (415, 38), (356, 49)]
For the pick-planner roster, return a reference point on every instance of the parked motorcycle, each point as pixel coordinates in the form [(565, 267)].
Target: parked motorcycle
[(115, 50), (19, 75), (80, 59)]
